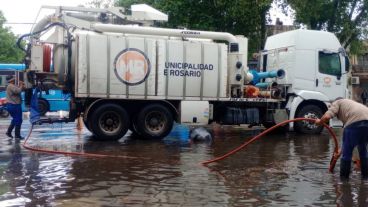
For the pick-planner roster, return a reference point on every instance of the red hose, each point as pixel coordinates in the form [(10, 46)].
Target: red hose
[(333, 161), (71, 153)]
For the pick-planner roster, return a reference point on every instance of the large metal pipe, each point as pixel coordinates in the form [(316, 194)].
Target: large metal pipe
[(272, 74), (164, 32), (41, 24), (266, 85), (257, 76), (270, 93)]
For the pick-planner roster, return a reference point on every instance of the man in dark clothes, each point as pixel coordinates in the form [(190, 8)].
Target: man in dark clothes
[(14, 106)]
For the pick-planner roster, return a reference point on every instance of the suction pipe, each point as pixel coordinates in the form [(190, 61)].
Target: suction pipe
[(164, 32)]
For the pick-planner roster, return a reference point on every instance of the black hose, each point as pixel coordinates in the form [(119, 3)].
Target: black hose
[(38, 32)]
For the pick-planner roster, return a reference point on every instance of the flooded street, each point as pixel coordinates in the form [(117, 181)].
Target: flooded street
[(277, 170)]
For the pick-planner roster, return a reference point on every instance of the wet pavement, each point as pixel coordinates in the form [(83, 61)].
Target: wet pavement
[(277, 170)]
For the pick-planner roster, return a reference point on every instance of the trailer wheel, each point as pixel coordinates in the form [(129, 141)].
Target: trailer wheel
[(109, 122), (306, 127), (154, 122), (43, 106)]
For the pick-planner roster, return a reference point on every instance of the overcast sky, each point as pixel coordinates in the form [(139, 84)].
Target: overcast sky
[(25, 11)]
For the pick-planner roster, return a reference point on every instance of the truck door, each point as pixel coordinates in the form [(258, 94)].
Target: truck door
[(329, 78)]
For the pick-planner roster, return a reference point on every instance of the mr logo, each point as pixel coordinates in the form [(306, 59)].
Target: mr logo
[(131, 66)]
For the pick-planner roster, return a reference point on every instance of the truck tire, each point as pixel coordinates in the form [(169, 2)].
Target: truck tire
[(43, 106), (86, 124), (4, 113), (109, 122), (306, 127), (154, 122)]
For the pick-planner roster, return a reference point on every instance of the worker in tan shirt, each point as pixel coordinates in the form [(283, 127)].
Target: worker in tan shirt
[(354, 115)]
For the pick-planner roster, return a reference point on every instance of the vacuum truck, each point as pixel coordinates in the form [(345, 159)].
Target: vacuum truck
[(124, 73)]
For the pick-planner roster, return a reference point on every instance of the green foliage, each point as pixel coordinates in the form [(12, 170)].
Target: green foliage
[(9, 53), (348, 19), (239, 17)]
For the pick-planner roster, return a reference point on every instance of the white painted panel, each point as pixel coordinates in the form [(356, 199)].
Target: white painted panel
[(161, 59), (191, 110), (117, 44), (151, 54), (175, 55), (81, 80), (98, 63), (224, 72), (194, 58), (136, 43), (210, 81)]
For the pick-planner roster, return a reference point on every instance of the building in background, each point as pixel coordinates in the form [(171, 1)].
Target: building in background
[(279, 27), (359, 74)]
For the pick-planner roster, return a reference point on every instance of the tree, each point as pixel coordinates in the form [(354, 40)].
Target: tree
[(9, 53), (239, 17), (348, 19), (100, 3)]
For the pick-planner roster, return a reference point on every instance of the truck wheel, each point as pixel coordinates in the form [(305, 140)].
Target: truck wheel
[(154, 122), (43, 106), (109, 122), (4, 113), (306, 127)]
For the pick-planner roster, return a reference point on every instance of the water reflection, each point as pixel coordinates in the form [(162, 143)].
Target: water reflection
[(277, 170), (352, 195)]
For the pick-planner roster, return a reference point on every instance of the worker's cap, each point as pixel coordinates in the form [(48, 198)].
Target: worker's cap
[(10, 78)]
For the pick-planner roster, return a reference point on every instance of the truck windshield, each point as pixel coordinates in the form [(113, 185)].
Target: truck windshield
[(329, 63)]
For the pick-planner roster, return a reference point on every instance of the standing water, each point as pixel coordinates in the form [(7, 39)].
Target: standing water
[(277, 170)]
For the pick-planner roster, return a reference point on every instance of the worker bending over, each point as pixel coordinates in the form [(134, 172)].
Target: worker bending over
[(355, 118)]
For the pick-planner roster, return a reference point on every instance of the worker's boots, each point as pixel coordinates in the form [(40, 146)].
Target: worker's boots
[(364, 168), (345, 169), (17, 132), (10, 130)]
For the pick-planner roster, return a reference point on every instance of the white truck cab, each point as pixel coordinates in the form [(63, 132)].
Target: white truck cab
[(315, 67)]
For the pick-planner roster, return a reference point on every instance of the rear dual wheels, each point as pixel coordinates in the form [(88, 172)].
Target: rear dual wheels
[(109, 122)]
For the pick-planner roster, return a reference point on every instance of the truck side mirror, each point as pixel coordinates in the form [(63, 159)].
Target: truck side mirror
[(347, 64)]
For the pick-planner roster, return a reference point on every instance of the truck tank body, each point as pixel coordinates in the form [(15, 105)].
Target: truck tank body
[(118, 66)]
